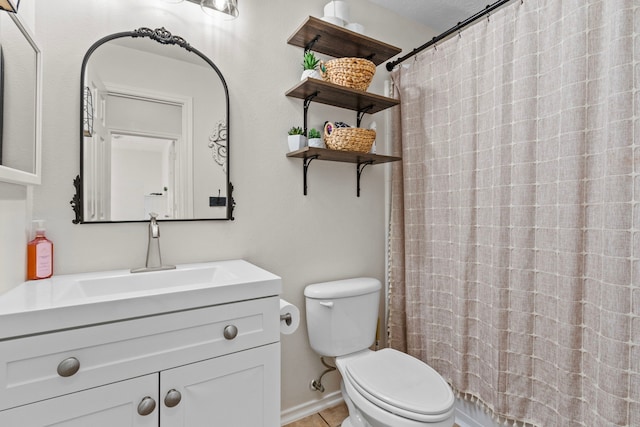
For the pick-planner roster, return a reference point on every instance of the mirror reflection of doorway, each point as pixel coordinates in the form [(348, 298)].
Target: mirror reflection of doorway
[(139, 157), (142, 176)]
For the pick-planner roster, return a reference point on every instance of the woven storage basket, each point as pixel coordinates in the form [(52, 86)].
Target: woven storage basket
[(355, 73), (349, 139)]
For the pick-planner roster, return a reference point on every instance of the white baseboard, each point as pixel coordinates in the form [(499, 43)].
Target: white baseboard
[(309, 408), (469, 414)]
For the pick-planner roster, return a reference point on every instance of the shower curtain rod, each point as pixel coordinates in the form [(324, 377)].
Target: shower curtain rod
[(490, 8)]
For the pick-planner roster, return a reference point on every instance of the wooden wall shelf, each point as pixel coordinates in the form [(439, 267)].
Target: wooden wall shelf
[(342, 156), (337, 41), (340, 96), (361, 160)]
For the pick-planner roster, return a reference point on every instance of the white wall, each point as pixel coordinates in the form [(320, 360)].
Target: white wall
[(326, 235), (14, 232)]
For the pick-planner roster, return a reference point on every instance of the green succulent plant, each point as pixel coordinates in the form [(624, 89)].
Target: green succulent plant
[(310, 62), (314, 133), (296, 130)]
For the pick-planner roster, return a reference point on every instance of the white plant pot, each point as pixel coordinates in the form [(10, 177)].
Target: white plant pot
[(296, 142), (314, 74), (316, 142)]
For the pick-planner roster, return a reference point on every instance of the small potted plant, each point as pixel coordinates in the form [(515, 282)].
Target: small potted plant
[(315, 139), (296, 138), (310, 66)]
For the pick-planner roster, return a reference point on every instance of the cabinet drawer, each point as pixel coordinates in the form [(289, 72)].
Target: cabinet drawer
[(116, 351)]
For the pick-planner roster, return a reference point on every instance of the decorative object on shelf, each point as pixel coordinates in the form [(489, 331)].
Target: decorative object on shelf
[(87, 112), (315, 139), (9, 5), (296, 138), (330, 126), (355, 27), (354, 73), (218, 144), (310, 66), (373, 126), (348, 138), (336, 12)]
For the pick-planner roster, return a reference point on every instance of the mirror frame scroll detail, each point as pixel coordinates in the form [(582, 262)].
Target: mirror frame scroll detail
[(162, 36)]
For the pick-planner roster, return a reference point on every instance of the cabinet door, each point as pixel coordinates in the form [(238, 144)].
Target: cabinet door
[(237, 390), (107, 406)]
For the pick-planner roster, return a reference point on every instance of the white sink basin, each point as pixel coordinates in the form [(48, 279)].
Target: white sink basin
[(74, 300), (118, 284)]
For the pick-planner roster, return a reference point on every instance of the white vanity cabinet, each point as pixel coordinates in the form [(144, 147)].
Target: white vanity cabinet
[(210, 366)]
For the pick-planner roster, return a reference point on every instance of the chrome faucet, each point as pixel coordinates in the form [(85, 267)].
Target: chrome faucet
[(153, 243)]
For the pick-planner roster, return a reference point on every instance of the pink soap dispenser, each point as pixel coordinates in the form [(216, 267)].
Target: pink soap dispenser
[(39, 254)]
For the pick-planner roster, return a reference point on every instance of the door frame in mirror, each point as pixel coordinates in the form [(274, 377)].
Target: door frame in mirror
[(162, 36), (17, 176)]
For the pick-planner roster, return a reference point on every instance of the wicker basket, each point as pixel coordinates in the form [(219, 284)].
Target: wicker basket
[(355, 73), (349, 139)]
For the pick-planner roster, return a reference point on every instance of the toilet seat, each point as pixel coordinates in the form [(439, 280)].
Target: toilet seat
[(401, 384)]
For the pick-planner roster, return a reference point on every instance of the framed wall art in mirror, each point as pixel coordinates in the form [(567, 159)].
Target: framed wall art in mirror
[(20, 103), (149, 103)]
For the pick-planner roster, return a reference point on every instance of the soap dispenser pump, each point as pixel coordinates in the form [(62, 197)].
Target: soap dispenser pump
[(39, 254)]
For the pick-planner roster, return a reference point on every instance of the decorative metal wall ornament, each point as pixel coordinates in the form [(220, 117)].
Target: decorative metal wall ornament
[(87, 109), (163, 36), (218, 144), (76, 203)]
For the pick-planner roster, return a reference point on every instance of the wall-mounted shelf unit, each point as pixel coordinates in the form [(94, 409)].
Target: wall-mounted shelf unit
[(361, 160), (325, 38)]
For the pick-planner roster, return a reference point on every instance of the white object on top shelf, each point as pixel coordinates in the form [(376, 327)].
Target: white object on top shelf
[(337, 9)]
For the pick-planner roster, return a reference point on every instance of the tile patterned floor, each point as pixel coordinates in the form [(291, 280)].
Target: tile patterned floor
[(331, 417)]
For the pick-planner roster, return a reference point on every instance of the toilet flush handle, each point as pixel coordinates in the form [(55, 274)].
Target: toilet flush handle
[(327, 303)]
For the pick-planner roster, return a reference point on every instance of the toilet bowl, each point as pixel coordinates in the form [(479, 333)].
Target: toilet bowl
[(384, 388)]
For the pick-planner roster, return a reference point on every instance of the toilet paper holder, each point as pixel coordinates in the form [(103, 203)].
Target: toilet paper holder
[(287, 318)]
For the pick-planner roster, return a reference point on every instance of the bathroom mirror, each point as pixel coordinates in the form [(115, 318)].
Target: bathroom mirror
[(153, 132), (20, 103)]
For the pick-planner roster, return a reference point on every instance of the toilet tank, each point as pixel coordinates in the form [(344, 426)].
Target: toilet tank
[(342, 315)]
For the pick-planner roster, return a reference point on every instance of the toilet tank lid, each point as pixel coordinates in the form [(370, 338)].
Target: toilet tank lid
[(343, 288)]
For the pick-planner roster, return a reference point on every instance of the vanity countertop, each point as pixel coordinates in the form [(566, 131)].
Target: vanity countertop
[(77, 300)]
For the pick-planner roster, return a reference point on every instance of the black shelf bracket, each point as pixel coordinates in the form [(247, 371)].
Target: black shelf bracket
[(305, 168), (359, 168), (310, 45), (307, 103), (361, 113)]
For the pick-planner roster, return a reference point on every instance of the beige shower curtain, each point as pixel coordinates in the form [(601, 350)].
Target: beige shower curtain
[(515, 239)]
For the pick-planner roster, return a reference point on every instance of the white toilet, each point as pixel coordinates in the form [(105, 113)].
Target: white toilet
[(383, 388)]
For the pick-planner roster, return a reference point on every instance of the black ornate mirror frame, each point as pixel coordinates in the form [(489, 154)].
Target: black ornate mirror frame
[(162, 36)]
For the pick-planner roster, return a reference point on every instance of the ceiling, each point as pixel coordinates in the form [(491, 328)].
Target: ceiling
[(440, 15)]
